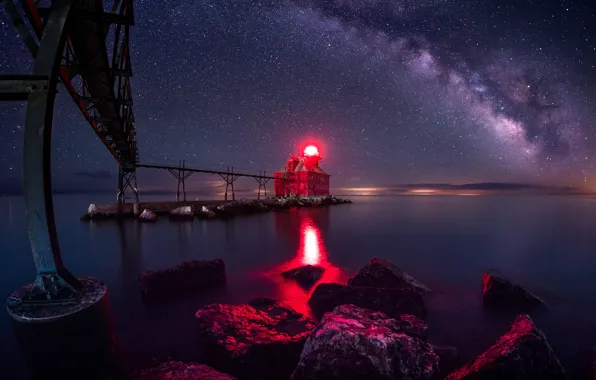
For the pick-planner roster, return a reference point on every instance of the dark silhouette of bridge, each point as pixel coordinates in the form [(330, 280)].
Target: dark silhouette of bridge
[(85, 46)]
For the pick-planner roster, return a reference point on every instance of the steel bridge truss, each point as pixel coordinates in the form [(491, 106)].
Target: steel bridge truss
[(68, 40), (262, 180), (181, 175), (229, 177)]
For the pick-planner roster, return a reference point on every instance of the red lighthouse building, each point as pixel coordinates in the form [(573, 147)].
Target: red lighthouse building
[(302, 176)]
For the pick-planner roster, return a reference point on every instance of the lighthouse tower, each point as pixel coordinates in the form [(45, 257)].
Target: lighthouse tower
[(302, 175)]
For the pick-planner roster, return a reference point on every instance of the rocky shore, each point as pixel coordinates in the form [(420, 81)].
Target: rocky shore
[(372, 328), (149, 212)]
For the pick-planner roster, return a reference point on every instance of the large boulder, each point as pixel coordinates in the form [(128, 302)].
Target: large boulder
[(391, 301), (499, 293), (181, 371), (306, 276), (261, 340), (182, 213), (355, 343), (381, 273), (193, 275), (522, 353), (147, 216)]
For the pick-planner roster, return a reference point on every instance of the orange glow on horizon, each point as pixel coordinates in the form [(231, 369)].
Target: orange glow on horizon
[(422, 191)]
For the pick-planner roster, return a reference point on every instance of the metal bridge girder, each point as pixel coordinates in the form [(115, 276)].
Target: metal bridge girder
[(54, 283)]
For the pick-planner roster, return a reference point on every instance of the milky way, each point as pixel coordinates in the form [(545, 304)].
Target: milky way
[(395, 91)]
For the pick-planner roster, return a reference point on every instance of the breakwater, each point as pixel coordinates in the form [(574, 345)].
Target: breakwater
[(150, 211)]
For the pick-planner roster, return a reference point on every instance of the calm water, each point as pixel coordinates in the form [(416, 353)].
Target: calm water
[(546, 243)]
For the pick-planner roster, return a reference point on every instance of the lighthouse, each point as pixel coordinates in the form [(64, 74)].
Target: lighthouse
[(302, 175)]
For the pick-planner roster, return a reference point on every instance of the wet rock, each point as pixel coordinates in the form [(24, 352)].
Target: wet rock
[(391, 301), (522, 353), (206, 213), (306, 276), (381, 273), (86, 217), (499, 293), (447, 357), (107, 211), (181, 371), (260, 340), (355, 343), (183, 213), (148, 216), (194, 275)]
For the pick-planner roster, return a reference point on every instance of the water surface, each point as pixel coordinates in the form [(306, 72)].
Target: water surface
[(546, 243)]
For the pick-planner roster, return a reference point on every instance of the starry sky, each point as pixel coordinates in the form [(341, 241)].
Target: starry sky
[(393, 92)]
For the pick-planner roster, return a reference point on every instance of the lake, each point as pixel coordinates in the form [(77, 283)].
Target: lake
[(545, 243)]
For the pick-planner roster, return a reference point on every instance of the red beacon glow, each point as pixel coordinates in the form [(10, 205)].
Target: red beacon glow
[(311, 150)]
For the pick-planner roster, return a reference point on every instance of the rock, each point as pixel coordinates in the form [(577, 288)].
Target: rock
[(181, 371), (260, 340), (107, 211), (499, 293), (86, 217), (355, 343), (306, 276), (381, 273), (447, 357), (184, 277), (241, 207), (391, 301), (206, 213), (147, 216), (184, 212), (522, 353)]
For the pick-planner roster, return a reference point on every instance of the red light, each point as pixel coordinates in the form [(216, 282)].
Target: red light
[(310, 252), (311, 150)]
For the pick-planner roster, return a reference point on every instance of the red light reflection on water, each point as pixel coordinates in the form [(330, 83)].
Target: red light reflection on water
[(311, 252)]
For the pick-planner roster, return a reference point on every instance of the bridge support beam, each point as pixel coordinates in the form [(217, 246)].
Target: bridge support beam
[(60, 321), (262, 181), (127, 180), (230, 178), (181, 174)]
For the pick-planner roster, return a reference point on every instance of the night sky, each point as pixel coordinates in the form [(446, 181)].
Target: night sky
[(393, 91)]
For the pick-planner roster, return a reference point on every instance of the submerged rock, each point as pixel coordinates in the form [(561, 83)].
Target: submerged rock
[(522, 353), (381, 273), (260, 340), (181, 371), (184, 277), (355, 343), (306, 276), (391, 301), (184, 212), (500, 293), (148, 216)]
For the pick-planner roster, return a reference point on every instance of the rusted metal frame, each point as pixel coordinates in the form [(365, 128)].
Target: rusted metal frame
[(31, 41), (54, 284), (121, 72), (32, 12)]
